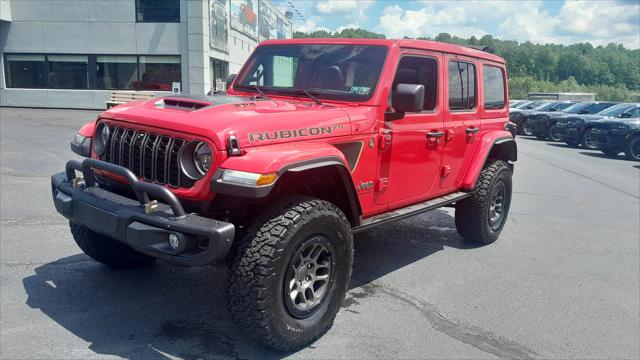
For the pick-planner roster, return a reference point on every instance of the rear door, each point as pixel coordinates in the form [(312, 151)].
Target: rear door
[(461, 117)]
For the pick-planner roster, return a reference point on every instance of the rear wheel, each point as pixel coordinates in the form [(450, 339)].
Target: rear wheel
[(552, 133), (481, 217), (290, 273), (587, 141), (632, 149), (106, 250)]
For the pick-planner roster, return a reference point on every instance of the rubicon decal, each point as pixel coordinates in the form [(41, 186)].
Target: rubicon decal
[(294, 133)]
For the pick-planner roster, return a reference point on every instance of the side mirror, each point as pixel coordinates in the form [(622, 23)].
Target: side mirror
[(625, 115), (408, 98), (230, 79)]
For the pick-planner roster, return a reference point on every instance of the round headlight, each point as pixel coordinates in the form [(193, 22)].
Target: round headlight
[(104, 133), (101, 138), (202, 157)]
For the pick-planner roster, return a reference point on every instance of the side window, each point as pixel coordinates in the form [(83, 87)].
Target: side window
[(462, 86), (635, 112), (493, 80), (419, 70)]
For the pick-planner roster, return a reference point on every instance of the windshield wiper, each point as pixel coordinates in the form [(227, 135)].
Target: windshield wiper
[(261, 93), (308, 93)]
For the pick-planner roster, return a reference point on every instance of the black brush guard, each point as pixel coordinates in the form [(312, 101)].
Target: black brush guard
[(143, 223)]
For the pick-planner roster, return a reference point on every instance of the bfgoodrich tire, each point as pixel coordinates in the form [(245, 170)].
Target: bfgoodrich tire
[(106, 250), (632, 149), (481, 217), (290, 273)]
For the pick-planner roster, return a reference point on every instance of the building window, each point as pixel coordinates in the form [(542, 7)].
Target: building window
[(493, 80), (68, 71), (25, 71), (158, 10), (462, 86), (116, 72), (158, 72)]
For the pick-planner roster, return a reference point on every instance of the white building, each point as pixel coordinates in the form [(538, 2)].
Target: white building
[(74, 53)]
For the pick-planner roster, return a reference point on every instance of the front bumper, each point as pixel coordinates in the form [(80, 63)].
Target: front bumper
[(606, 139), (568, 133), (145, 224)]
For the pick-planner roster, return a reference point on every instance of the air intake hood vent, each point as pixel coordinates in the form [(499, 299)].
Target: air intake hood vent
[(182, 103)]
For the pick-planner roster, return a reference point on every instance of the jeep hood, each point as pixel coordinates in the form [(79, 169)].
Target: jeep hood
[(254, 122)]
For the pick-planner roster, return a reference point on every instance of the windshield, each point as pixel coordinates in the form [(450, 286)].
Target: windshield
[(520, 105), (336, 72), (545, 106), (576, 108), (616, 110), (561, 106)]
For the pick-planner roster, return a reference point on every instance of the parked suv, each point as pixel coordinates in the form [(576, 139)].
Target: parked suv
[(576, 129), (543, 124), (614, 137), (315, 140)]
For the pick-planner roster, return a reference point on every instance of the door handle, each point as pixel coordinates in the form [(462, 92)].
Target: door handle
[(434, 134), (472, 130)]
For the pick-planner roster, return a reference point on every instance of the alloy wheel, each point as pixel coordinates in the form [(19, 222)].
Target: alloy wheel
[(308, 277)]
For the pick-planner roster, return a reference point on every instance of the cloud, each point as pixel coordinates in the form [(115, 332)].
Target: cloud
[(599, 22), (309, 26), (346, 9), (397, 22)]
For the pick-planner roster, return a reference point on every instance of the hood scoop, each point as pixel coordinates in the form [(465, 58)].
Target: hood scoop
[(182, 103)]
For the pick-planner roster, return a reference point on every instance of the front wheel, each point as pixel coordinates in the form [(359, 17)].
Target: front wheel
[(481, 217), (527, 128), (632, 149), (552, 133), (587, 140), (290, 273)]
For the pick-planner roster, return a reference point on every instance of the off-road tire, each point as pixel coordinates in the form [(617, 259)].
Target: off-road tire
[(106, 250), (586, 135), (472, 213), (609, 151), (256, 287)]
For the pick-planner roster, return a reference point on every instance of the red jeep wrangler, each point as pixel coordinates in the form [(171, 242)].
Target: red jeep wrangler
[(315, 140)]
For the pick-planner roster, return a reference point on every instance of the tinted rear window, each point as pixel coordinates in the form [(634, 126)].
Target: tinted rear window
[(493, 80)]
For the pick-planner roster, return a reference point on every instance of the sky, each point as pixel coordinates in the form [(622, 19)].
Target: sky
[(599, 22)]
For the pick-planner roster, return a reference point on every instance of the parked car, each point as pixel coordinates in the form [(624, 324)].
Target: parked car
[(544, 123), (274, 177), (519, 105), (614, 137), (526, 128), (518, 115), (576, 129), (513, 103)]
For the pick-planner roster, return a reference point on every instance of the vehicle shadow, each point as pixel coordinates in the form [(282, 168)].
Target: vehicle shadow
[(601, 155), (561, 145), (165, 311)]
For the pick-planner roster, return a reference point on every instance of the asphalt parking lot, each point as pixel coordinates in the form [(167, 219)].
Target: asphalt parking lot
[(563, 280)]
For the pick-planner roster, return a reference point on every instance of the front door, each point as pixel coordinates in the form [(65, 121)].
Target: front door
[(462, 124), (411, 154)]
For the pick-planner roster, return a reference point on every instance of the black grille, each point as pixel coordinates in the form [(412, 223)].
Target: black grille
[(150, 156)]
